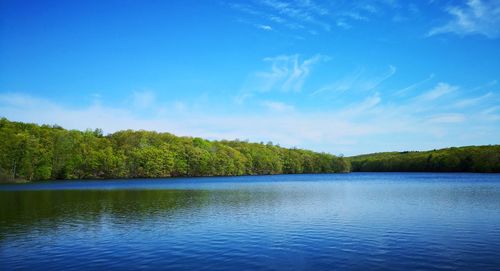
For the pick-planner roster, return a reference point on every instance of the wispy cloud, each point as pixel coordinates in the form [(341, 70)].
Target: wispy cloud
[(305, 11), (413, 86), (292, 15), (143, 99), (264, 27), (447, 118), (310, 16), (277, 106), (367, 7), (473, 101), (362, 107), (491, 110), (438, 91), (358, 81), (286, 73), (342, 24), (476, 17)]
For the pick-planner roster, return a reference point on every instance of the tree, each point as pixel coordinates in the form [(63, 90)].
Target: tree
[(33, 152)]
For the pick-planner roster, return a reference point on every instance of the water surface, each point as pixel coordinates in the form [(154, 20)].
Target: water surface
[(287, 222)]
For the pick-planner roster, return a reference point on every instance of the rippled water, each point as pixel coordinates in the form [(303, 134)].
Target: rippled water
[(289, 222)]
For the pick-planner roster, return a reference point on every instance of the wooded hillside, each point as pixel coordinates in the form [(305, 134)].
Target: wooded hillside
[(34, 152), (462, 159)]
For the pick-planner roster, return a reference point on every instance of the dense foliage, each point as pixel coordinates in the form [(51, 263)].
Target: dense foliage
[(33, 152), (463, 159)]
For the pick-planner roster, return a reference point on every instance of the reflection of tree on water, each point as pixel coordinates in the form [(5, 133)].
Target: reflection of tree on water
[(39, 210), (50, 209)]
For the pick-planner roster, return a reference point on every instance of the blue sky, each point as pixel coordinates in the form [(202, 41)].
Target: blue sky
[(345, 77)]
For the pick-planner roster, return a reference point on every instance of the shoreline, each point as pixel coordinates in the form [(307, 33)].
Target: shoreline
[(232, 176)]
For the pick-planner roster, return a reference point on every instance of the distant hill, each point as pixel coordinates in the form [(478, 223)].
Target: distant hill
[(461, 159)]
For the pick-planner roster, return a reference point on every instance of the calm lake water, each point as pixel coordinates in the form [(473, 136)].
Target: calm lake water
[(385, 221)]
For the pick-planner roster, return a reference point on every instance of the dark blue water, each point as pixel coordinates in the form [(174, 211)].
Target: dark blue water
[(394, 221)]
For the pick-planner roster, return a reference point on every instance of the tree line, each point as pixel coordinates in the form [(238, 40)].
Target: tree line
[(48, 152), (462, 159), (45, 152)]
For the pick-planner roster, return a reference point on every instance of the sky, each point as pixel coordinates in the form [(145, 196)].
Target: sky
[(343, 77)]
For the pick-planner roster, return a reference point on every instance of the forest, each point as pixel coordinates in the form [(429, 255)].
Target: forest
[(462, 159), (31, 152)]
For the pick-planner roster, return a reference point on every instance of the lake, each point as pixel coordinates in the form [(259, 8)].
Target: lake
[(390, 221)]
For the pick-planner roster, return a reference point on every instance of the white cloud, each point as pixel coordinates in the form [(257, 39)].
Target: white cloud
[(313, 17), (304, 11), (277, 106), (473, 101), (491, 110), (180, 106), (342, 24), (265, 27), (357, 81), (292, 129), (363, 107), (413, 8), (313, 7), (20, 100), (447, 118), (143, 99), (354, 15), (414, 85), (476, 17), (370, 8), (295, 15), (438, 91), (369, 85), (367, 124), (287, 73)]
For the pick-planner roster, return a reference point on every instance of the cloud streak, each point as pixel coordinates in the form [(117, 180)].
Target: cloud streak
[(310, 16), (473, 101), (447, 118), (476, 17), (265, 27), (413, 86), (305, 11), (438, 91), (277, 106), (286, 73), (358, 81)]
